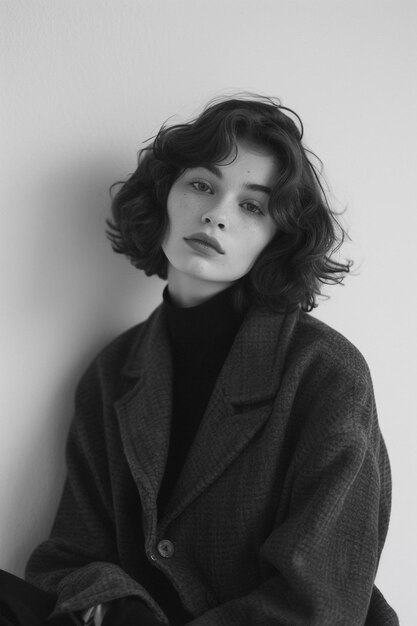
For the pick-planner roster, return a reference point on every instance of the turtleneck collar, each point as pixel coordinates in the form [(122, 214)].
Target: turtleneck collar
[(214, 320)]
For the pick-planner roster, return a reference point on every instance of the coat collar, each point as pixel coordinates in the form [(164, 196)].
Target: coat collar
[(254, 352), (237, 409)]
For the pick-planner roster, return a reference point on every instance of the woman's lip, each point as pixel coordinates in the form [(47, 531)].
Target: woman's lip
[(207, 240), (201, 246)]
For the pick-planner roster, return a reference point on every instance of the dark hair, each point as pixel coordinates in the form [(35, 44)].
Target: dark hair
[(291, 269)]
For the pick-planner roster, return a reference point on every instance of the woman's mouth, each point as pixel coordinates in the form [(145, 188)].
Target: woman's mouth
[(204, 241), (202, 246)]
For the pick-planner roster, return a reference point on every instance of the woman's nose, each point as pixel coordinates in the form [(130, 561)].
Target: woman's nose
[(216, 215)]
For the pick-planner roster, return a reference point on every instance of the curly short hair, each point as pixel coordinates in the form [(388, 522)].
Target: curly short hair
[(292, 268)]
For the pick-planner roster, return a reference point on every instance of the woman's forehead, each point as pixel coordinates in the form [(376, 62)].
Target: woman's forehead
[(245, 161)]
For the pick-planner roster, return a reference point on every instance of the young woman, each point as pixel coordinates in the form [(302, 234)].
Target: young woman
[(225, 462)]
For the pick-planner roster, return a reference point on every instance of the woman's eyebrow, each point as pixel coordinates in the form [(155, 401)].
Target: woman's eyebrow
[(252, 186)]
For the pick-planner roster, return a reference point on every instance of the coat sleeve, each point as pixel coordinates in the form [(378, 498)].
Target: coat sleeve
[(324, 555), (79, 562)]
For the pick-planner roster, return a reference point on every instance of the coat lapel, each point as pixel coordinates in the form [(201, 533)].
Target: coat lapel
[(144, 411), (238, 407)]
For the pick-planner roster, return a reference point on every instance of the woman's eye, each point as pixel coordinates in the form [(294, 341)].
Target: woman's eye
[(252, 208), (200, 185)]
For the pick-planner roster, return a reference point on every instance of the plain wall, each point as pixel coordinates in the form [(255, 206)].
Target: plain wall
[(84, 84)]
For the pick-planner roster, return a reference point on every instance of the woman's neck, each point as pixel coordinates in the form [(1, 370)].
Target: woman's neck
[(188, 291)]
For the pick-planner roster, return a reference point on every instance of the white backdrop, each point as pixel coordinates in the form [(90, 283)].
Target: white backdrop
[(86, 82)]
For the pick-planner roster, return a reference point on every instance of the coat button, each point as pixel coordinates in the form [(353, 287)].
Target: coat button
[(166, 548)]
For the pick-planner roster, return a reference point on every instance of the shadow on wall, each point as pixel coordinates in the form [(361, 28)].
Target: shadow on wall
[(70, 295)]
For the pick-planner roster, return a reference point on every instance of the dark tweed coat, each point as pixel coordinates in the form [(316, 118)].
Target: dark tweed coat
[(281, 510)]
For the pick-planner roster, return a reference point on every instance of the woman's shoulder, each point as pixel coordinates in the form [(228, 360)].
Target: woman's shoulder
[(109, 362), (329, 383), (318, 344)]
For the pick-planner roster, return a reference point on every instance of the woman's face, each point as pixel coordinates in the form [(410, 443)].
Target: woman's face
[(227, 203)]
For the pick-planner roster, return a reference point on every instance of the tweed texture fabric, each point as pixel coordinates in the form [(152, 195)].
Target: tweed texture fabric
[(281, 509), (200, 337)]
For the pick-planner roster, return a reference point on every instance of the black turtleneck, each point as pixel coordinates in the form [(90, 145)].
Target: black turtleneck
[(201, 337)]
